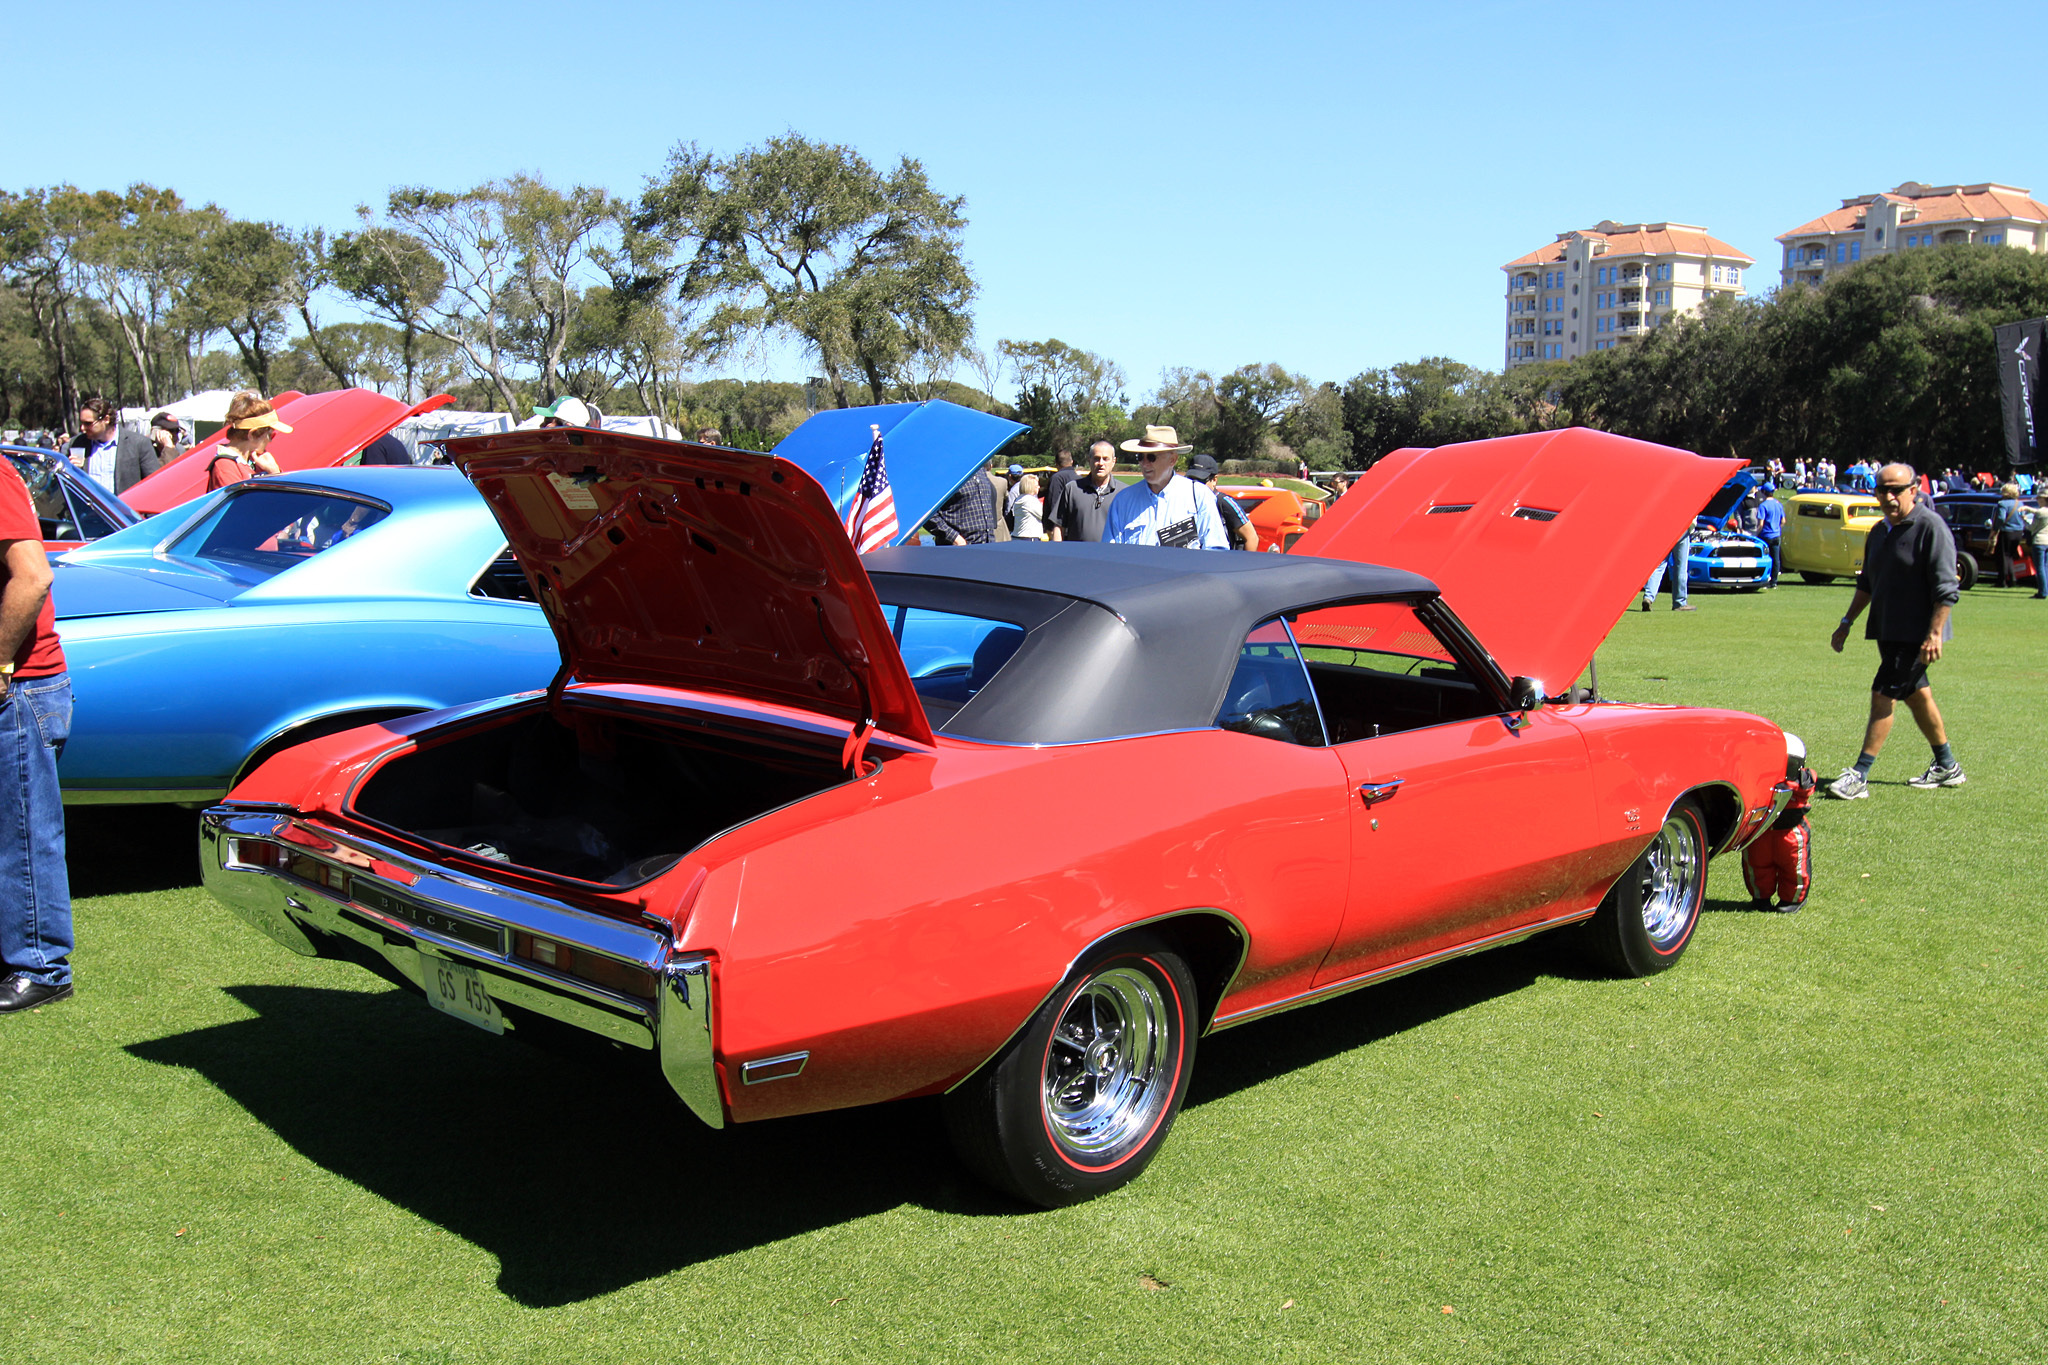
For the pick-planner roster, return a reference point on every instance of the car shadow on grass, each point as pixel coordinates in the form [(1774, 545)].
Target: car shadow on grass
[(578, 1169), (120, 850), (1239, 1058)]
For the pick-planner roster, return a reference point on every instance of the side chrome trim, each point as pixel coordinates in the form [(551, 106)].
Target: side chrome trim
[(781, 1068), (1244, 947), (1351, 983), (126, 796)]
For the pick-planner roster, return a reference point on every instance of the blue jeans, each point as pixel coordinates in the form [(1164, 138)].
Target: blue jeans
[(1677, 566), (35, 889), (2041, 571)]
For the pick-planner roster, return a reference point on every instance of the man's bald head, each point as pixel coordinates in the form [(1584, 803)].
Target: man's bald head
[(1898, 488)]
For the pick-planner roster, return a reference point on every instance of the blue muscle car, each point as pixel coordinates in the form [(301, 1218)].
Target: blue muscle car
[(1721, 558), (278, 610)]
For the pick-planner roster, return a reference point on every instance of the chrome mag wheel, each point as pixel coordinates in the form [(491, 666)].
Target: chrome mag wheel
[(1671, 881), (1111, 1066)]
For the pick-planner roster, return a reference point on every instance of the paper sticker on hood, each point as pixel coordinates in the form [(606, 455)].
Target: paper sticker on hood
[(718, 570), (1538, 542)]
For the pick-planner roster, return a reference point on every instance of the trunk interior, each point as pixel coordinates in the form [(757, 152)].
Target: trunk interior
[(605, 798)]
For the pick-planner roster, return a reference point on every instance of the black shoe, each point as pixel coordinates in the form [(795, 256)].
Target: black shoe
[(18, 993)]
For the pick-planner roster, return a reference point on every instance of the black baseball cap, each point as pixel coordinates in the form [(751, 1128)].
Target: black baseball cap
[(1201, 466)]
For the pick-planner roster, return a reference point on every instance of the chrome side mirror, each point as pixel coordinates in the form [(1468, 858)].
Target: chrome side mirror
[(1526, 695)]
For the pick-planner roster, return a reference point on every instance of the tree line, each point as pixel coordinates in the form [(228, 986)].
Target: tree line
[(516, 291)]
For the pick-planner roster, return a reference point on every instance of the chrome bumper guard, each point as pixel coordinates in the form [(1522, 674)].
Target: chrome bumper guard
[(1760, 817), (445, 914)]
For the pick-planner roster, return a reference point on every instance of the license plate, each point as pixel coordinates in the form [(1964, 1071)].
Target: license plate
[(455, 988)]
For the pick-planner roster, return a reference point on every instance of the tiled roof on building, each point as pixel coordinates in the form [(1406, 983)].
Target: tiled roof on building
[(1943, 204), (1638, 239)]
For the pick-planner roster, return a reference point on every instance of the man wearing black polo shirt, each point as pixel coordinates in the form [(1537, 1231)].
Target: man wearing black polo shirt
[(1909, 584)]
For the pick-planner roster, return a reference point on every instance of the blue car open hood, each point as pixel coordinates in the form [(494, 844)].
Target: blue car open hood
[(927, 448), (116, 587)]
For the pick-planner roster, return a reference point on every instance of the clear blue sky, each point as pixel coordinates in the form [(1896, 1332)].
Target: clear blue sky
[(1329, 186)]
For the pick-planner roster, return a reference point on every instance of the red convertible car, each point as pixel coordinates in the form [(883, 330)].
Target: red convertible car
[(745, 828)]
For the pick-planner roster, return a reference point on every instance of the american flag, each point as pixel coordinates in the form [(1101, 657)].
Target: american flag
[(872, 522)]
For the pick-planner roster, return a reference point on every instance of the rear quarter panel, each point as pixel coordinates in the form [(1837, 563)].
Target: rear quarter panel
[(177, 700), (900, 929)]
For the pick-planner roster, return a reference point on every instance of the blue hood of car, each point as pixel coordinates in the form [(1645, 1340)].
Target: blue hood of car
[(117, 588), (928, 449)]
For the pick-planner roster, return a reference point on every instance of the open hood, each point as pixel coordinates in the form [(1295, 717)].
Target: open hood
[(690, 566), (326, 428), (1538, 542), (927, 448)]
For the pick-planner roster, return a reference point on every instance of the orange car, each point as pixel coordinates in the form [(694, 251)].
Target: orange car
[(1279, 515)]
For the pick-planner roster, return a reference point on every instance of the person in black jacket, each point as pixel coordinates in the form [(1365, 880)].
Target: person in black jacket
[(1909, 584)]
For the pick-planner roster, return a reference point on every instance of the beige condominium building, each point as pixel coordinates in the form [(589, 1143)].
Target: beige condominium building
[(1597, 286), (1909, 218)]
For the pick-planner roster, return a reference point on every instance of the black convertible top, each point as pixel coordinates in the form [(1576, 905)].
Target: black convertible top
[(1119, 640)]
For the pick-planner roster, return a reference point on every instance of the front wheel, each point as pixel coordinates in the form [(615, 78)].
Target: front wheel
[(1967, 572), (1648, 917), (1082, 1099), (1816, 578)]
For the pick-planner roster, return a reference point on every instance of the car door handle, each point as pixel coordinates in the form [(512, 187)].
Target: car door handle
[(1376, 792)]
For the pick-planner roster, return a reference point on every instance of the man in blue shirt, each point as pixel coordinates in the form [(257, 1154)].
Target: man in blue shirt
[(1770, 529), (1165, 509)]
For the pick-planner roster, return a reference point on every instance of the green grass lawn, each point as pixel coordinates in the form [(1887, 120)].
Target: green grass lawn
[(1822, 1137)]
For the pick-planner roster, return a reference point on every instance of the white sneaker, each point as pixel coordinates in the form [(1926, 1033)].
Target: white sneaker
[(1939, 776), (1850, 786)]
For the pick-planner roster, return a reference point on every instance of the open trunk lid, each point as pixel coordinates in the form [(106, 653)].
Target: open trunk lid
[(690, 566), (1538, 542)]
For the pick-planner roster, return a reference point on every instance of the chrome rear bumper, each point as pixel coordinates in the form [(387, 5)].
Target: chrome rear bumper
[(398, 908)]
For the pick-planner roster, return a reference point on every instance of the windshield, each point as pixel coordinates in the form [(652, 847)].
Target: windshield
[(255, 534)]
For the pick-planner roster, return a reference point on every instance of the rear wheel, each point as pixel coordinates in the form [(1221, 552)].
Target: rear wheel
[(1966, 571), (1649, 915), (1082, 1099)]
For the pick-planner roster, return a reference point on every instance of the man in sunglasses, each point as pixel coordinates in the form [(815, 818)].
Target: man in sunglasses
[(1909, 584), (1164, 509)]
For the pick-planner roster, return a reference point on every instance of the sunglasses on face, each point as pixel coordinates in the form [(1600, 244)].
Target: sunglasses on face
[(1148, 456)]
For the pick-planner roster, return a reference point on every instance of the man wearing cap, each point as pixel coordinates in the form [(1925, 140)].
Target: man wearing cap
[(569, 411), (1078, 509), (1238, 531), (1164, 509), (35, 719)]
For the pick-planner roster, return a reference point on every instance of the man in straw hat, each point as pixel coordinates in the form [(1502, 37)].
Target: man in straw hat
[(1165, 509)]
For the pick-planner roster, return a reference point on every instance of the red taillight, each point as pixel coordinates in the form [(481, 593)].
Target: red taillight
[(585, 965), (257, 853), (292, 863)]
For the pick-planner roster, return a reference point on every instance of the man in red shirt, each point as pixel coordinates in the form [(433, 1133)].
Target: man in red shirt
[(35, 720)]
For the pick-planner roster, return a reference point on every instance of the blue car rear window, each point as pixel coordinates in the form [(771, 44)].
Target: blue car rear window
[(257, 532)]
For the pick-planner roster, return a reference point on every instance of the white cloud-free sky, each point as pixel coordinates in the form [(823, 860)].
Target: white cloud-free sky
[(1329, 186)]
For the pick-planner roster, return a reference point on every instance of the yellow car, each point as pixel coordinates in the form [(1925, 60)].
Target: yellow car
[(1824, 534)]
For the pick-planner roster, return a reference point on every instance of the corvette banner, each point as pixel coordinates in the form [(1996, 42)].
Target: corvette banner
[(2019, 381)]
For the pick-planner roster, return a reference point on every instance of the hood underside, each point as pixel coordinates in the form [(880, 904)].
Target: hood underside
[(1538, 542)]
